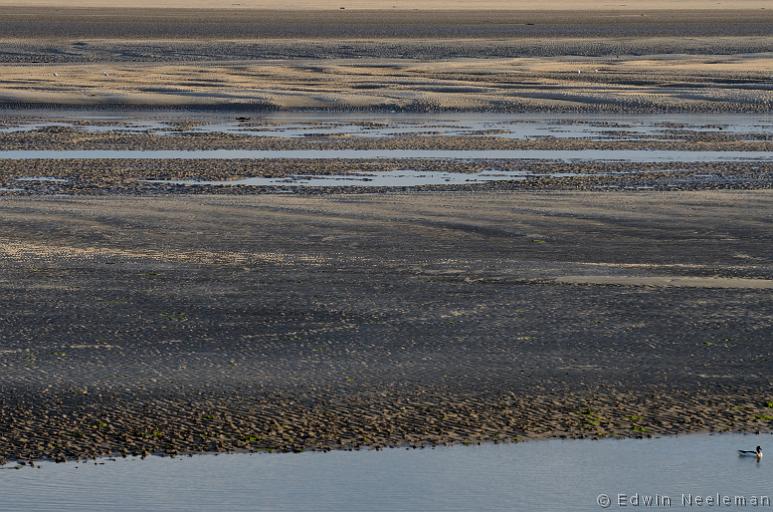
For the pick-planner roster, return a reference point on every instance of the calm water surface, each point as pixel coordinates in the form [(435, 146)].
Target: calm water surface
[(371, 124), (403, 178), (633, 155), (535, 476)]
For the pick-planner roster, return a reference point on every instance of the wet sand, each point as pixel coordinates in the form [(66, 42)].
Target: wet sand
[(166, 325), (116, 23), (146, 177), (145, 155), (423, 5)]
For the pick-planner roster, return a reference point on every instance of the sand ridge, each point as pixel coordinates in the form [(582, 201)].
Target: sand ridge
[(683, 83)]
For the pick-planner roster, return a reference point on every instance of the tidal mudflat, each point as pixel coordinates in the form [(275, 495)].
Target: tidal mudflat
[(277, 322), (146, 152), (239, 230)]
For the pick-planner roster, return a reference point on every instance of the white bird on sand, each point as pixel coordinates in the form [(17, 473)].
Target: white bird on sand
[(757, 452)]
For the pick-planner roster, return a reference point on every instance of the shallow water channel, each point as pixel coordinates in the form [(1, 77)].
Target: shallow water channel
[(554, 475), (374, 125), (580, 155), (401, 178)]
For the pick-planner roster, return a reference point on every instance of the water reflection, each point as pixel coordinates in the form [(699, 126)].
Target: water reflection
[(580, 155), (534, 476)]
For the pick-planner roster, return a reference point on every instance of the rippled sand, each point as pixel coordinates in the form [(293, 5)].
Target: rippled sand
[(683, 60), (639, 84), (171, 325)]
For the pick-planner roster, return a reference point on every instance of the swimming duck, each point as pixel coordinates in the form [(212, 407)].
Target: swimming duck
[(757, 452)]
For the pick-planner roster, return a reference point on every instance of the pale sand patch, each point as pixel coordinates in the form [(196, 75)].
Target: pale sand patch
[(24, 251), (85, 346), (660, 265), (671, 281), (437, 5)]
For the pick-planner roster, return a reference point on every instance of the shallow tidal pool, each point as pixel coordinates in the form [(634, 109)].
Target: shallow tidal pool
[(561, 155), (684, 472)]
